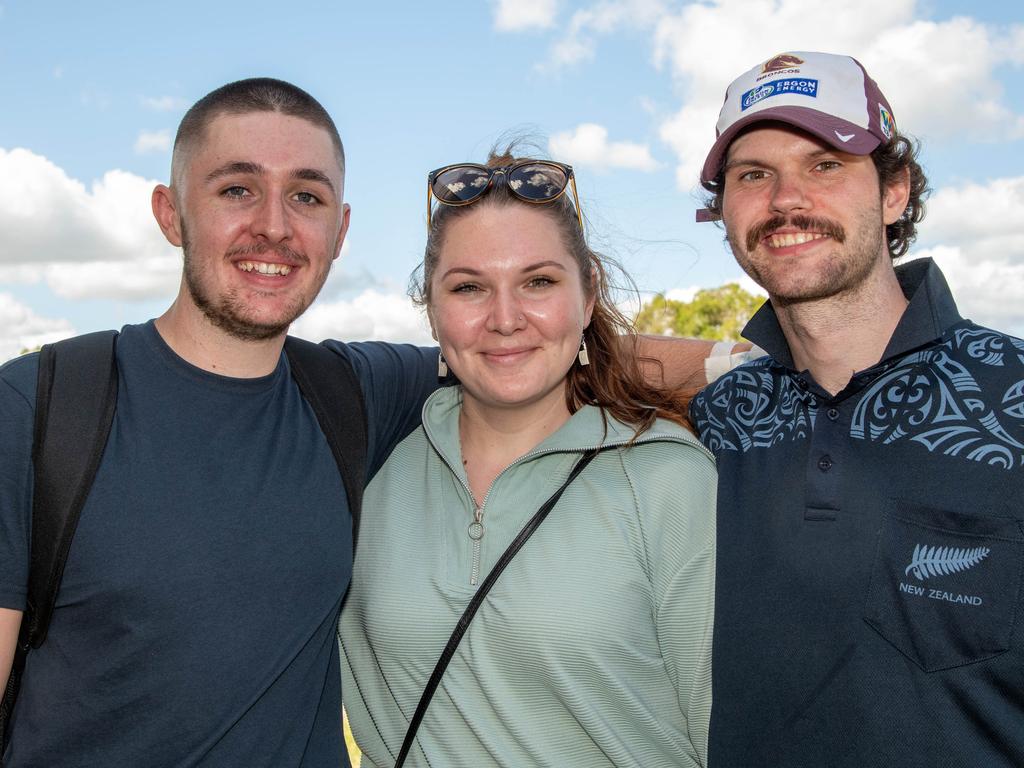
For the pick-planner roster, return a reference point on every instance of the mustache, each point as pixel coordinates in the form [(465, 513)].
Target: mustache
[(798, 221), (286, 254)]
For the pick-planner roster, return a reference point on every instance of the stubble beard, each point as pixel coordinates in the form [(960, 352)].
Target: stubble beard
[(229, 312), (846, 267)]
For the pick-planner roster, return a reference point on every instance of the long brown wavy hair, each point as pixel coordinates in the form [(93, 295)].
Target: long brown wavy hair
[(613, 381)]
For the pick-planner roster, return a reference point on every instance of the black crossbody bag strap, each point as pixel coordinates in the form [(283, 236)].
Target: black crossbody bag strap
[(330, 386), (475, 603), (76, 394)]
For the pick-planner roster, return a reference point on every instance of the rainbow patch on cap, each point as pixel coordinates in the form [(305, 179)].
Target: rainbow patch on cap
[(886, 121)]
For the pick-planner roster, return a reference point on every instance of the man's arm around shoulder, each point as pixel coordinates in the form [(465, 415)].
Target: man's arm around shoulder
[(675, 363)]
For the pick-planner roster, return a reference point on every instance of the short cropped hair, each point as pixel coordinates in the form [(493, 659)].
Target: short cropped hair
[(892, 160), (256, 94)]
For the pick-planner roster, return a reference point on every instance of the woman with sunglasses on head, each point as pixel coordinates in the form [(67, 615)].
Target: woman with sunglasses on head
[(593, 647)]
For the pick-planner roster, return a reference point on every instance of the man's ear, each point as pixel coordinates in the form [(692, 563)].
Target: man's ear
[(165, 211), (346, 213), (895, 198)]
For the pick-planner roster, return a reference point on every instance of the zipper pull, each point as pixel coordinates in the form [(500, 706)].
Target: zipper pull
[(476, 528)]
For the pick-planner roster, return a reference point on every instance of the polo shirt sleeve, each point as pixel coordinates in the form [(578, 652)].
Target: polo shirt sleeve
[(17, 394), (698, 411), (395, 379)]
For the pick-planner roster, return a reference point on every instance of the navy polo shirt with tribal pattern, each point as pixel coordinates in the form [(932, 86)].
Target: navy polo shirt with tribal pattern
[(870, 550)]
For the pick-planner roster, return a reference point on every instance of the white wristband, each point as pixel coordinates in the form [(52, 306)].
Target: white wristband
[(720, 360)]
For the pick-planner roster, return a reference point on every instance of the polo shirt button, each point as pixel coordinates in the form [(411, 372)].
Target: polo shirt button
[(825, 463), (802, 383), (832, 413)]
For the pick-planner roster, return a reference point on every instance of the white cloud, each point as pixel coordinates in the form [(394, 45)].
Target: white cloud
[(164, 103), (571, 50), (102, 238), (518, 15), (986, 213), (706, 45), (588, 146), (938, 96), (371, 315), (21, 328), (683, 294), (580, 39), (976, 234), (153, 141), (744, 280), (747, 284), (115, 280), (22, 274), (989, 292)]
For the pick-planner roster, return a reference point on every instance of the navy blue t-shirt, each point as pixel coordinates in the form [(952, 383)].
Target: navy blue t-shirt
[(196, 623), (869, 604)]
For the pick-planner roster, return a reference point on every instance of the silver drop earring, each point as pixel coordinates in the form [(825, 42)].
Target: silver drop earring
[(584, 358), (442, 366)]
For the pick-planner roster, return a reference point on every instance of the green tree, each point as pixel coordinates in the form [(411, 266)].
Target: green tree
[(718, 314)]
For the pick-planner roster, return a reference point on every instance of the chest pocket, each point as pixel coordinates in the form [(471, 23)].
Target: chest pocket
[(945, 586)]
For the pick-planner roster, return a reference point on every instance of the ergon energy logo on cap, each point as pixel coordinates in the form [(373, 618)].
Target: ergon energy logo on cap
[(829, 96), (834, 83), (779, 88)]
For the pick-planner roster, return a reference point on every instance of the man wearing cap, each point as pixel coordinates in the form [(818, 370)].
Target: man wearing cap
[(871, 531)]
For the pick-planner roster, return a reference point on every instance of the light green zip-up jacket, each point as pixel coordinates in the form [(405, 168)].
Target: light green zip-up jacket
[(592, 649)]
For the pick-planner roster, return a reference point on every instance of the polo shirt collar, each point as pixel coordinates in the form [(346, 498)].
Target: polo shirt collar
[(930, 312)]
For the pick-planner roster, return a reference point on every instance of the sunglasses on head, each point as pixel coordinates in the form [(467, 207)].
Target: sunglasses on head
[(533, 181)]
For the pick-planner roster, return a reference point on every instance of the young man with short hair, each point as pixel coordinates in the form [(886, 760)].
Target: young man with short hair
[(196, 620)]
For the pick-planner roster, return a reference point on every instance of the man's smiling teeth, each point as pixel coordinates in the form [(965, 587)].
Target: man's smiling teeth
[(264, 268), (793, 238)]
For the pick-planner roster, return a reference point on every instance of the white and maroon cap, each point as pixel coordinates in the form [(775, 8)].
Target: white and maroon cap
[(829, 96)]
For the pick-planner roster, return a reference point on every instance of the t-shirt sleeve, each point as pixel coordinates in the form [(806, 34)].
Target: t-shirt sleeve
[(17, 394), (396, 379)]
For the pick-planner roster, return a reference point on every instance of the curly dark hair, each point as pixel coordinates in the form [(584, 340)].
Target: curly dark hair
[(614, 380), (892, 160)]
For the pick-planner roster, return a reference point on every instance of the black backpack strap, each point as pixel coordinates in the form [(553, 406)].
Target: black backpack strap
[(329, 384), (76, 394)]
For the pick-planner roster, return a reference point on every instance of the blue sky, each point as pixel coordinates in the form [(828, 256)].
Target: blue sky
[(627, 91)]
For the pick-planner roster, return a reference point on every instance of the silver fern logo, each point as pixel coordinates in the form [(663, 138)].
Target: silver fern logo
[(942, 561)]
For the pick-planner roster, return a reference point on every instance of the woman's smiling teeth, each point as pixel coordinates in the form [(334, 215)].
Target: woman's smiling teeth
[(264, 268), (793, 238)]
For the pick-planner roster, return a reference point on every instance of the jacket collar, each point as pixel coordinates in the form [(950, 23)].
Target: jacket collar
[(585, 429), (930, 313)]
